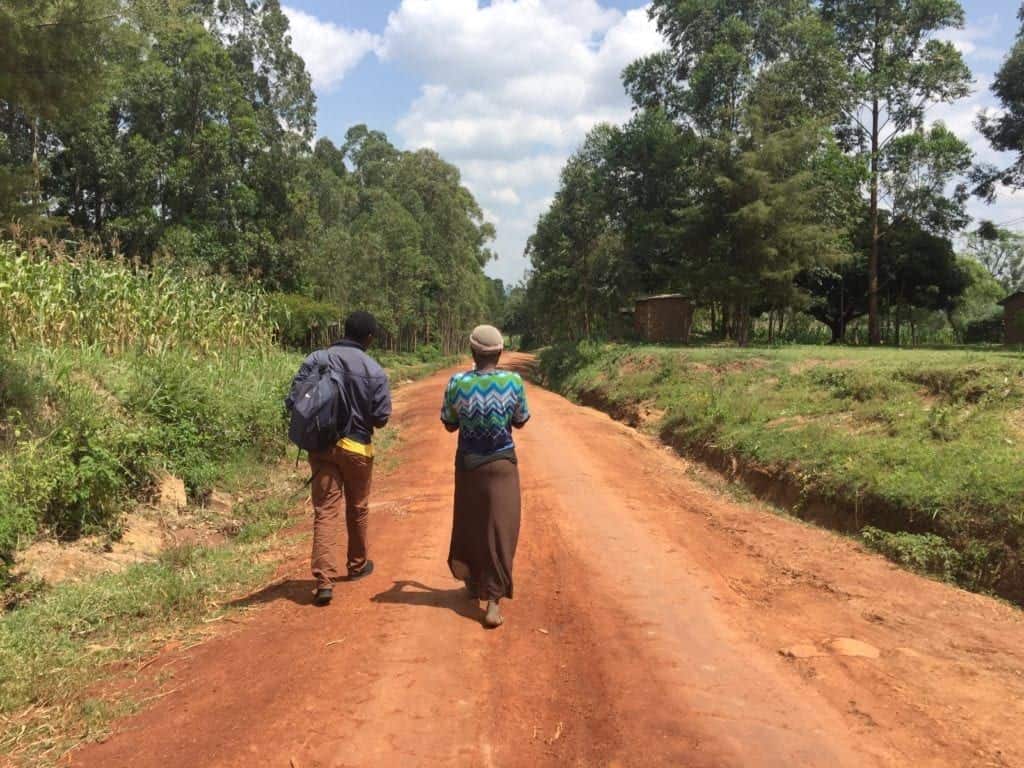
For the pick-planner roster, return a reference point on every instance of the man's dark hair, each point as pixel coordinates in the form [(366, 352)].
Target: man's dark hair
[(360, 326)]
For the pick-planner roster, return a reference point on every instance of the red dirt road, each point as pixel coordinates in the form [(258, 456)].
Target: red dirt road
[(649, 616)]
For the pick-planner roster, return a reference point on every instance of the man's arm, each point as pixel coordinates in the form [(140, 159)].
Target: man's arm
[(382, 404)]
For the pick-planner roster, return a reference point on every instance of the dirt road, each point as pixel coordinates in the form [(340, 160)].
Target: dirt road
[(649, 617)]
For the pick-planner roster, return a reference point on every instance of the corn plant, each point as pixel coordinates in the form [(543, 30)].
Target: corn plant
[(51, 297)]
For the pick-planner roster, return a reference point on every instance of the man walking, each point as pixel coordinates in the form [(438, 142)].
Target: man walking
[(342, 473)]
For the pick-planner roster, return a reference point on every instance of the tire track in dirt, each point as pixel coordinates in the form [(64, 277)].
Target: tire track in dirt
[(649, 616)]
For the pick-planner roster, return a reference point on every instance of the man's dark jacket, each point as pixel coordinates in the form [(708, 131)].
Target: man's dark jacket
[(365, 385)]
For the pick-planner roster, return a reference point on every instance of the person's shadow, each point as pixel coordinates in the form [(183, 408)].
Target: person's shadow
[(414, 593), (298, 591)]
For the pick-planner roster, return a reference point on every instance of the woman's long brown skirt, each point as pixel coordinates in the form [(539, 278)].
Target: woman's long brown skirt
[(485, 530)]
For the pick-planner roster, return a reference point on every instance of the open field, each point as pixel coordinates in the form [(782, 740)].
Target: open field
[(920, 450)]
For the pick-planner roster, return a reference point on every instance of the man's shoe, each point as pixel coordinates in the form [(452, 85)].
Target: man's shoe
[(366, 571), (323, 596)]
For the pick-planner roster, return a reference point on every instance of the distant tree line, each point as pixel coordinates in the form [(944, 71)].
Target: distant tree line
[(779, 163), (182, 130)]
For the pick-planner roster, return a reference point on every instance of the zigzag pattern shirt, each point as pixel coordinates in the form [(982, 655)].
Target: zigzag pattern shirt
[(485, 407)]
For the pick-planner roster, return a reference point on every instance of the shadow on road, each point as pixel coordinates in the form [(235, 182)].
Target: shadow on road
[(415, 593), (298, 591)]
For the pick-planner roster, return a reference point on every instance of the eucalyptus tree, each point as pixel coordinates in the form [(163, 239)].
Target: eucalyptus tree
[(54, 61), (755, 84), (922, 176), (1001, 252), (897, 67), (1005, 130)]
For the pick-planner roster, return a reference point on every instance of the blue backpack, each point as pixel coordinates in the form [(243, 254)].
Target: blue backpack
[(320, 414)]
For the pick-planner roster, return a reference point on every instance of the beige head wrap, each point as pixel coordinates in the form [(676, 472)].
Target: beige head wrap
[(486, 339)]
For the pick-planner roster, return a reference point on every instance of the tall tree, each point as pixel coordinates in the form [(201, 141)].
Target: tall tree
[(921, 176), (1005, 130), (195, 148), (897, 68), (1001, 252), (54, 58)]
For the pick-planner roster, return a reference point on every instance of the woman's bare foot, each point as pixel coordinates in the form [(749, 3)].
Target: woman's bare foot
[(493, 618)]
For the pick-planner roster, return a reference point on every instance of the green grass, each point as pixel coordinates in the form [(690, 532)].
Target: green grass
[(916, 441), (56, 648)]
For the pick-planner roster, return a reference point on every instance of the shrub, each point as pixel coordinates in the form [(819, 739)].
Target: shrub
[(922, 552), (302, 322)]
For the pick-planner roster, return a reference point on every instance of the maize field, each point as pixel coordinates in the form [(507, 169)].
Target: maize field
[(51, 297)]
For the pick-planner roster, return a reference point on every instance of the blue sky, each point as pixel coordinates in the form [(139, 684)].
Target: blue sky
[(507, 89)]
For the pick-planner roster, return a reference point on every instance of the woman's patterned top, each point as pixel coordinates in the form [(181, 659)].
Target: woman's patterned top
[(485, 407)]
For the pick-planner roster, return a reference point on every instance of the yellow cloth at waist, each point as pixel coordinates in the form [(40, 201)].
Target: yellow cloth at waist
[(354, 446)]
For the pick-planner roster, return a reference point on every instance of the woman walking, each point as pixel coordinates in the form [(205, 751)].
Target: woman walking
[(484, 404)]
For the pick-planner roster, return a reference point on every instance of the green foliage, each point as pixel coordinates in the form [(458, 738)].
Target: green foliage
[(918, 168), (191, 143), (398, 235), (921, 552), (101, 427), (740, 181), (1001, 252), (913, 441), (1005, 128), (304, 323)]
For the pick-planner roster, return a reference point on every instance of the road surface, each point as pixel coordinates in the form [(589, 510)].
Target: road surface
[(657, 622)]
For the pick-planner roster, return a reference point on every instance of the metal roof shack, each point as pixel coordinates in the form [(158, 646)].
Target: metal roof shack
[(1013, 318), (667, 317)]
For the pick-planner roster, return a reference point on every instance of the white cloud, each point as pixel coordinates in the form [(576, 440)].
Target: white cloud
[(512, 88), (519, 173), (504, 195), (330, 51), (973, 40)]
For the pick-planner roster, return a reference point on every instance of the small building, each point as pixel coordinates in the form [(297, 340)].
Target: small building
[(664, 318), (1013, 318)]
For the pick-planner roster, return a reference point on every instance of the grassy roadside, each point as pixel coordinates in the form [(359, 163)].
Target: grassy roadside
[(918, 451), (63, 641), (56, 649)]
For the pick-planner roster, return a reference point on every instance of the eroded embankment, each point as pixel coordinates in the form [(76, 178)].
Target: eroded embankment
[(915, 451)]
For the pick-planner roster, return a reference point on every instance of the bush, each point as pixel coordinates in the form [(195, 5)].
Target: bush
[(304, 323), (921, 552), (90, 431)]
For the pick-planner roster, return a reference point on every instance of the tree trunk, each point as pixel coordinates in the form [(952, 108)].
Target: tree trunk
[(874, 330), (37, 175), (838, 328)]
